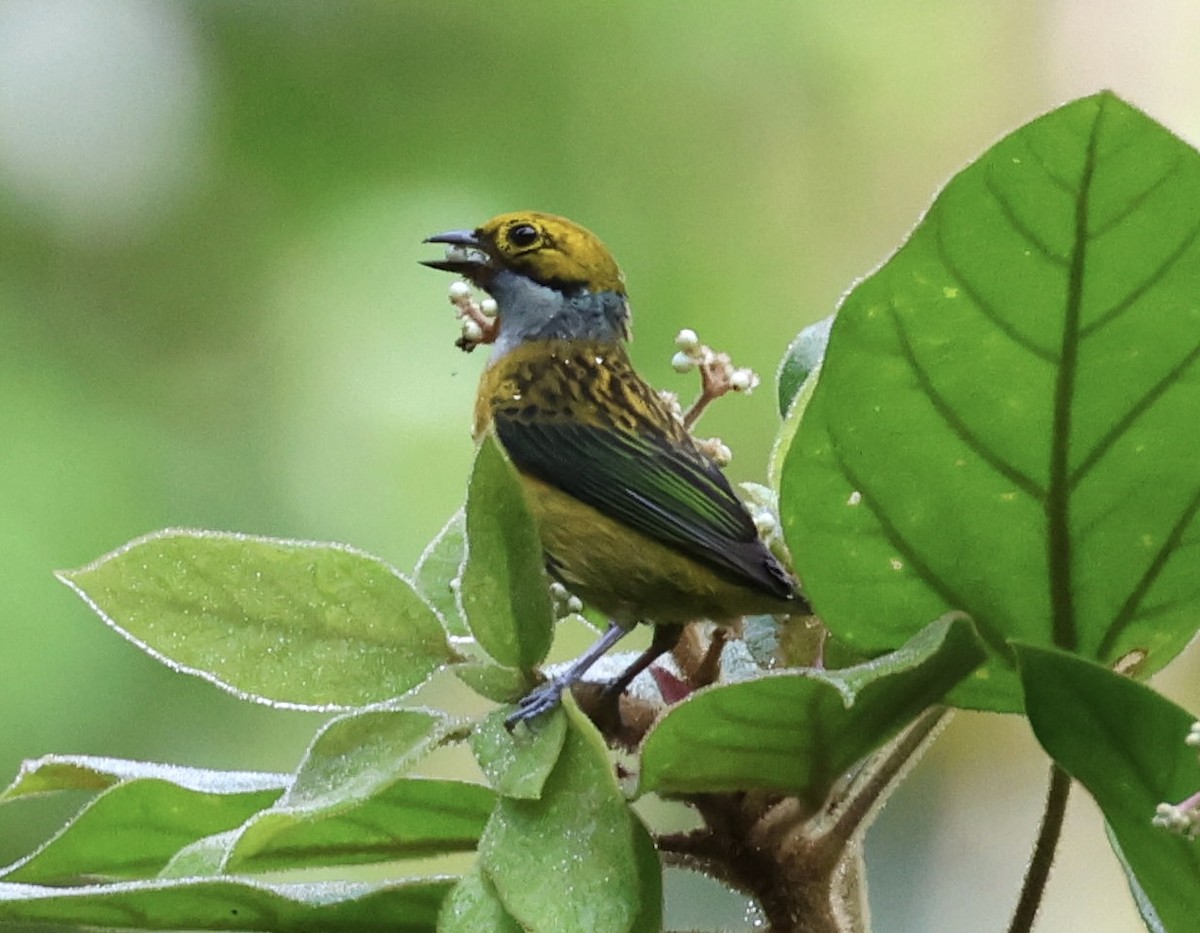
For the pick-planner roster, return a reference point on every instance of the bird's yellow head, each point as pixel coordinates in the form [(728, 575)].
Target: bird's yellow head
[(551, 278), (546, 248)]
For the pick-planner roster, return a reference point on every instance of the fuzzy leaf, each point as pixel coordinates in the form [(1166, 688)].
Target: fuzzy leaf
[(289, 623), (356, 754), (997, 425), (505, 594), (437, 573), (801, 360), (411, 817), (133, 829), (1125, 743), (350, 802), (226, 904), (574, 858), (517, 764), (797, 732), (473, 905), (53, 773)]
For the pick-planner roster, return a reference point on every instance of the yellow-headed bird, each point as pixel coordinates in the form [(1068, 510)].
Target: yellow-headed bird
[(635, 519)]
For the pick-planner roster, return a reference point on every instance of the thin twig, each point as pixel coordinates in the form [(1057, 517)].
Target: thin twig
[(1043, 851)]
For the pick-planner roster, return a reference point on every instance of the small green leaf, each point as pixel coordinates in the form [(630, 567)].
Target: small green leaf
[(501, 684), (355, 755), (202, 858), (505, 593), (243, 905), (570, 860), (517, 764), (52, 773), (797, 732), (996, 428), (1125, 743), (801, 360), (133, 829), (437, 573), (284, 622), (473, 906)]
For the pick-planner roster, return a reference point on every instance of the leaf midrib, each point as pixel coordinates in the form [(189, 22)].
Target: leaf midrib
[(1064, 631)]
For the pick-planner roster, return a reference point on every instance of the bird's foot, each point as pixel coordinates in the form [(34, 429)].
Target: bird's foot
[(537, 702)]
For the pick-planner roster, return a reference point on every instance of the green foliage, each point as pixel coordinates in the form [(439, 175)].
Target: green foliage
[(285, 622), (798, 731), (987, 494), (996, 425), (1125, 744), (504, 592)]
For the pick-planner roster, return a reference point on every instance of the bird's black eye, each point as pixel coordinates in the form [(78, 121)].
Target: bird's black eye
[(523, 235)]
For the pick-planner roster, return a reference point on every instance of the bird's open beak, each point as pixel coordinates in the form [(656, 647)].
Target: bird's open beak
[(464, 254)]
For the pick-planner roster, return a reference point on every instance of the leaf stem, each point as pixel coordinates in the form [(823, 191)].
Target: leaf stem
[(870, 788), (1043, 851)]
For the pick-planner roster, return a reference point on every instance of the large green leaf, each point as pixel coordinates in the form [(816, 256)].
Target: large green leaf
[(350, 803), (1125, 743), (1001, 421), (410, 817), (797, 732), (291, 623), (573, 859), (505, 593), (225, 904)]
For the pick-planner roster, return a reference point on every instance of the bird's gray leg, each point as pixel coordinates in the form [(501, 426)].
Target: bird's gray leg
[(545, 697)]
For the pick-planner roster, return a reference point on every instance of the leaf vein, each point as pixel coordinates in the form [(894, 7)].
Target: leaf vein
[(1144, 286), (1058, 497), (924, 570), (1126, 421), (959, 427), (1137, 201), (1023, 230), (985, 307), (1154, 569)]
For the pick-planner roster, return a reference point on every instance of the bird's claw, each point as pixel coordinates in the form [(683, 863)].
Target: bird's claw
[(537, 702)]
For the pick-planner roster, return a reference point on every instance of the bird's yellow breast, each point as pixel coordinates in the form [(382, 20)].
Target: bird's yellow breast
[(616, 568)]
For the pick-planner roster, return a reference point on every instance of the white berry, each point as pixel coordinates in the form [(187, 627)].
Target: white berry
[(682, 363)]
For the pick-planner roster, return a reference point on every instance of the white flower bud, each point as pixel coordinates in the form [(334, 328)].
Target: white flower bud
[(472, 332), (682, 363), (459, 290), (743, 380), (721, 454), (686, 339), (488, 307)]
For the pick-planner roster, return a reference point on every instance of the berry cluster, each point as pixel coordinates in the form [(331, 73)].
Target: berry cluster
[(1182, 817)]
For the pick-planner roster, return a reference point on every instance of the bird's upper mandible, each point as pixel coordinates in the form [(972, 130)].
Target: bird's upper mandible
[(546, 248)]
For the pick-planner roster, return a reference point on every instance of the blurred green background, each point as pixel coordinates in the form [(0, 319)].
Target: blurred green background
[(211, 312)]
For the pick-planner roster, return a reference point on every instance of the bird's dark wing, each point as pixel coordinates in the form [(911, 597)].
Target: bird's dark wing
[(652, 481)]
